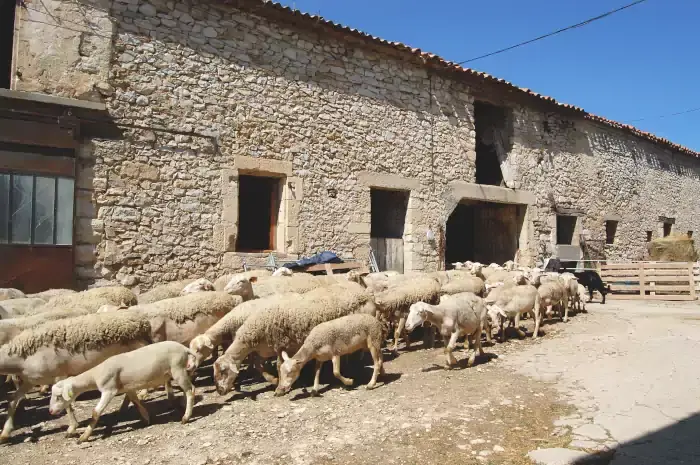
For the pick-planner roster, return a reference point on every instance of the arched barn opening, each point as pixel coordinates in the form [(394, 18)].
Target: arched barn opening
[(485, 232)]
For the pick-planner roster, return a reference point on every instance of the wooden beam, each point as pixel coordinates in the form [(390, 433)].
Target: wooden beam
[(35, 133), (24, 162)]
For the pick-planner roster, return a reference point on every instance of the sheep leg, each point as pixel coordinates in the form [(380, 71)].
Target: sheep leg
[(105, 399), (538, 320), (488, 330), (142, 410), (566, 310), (19, 394), (72, 421), (258, 365), (317, 379), (376, 353), (336, 371), (183, 380), (398, 331), (169, 391), (521, 333), (450, 346)]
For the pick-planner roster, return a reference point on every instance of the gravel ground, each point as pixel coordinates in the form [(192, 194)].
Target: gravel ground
[(419, 412)]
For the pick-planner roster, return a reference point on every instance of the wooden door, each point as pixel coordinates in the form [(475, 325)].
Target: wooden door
[(388, 252), (495, 233)]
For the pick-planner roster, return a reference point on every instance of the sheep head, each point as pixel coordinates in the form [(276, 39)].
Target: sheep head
[(225, 374), (417, 314), (242, 286), (61, 396), (495, 313), (283, 271), (289, 372), (200, 285), (202, 347)]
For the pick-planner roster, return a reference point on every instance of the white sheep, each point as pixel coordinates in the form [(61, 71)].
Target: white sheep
[(554, 292), (200, 285), (150, 366), (224, 330), (48, 294), (456, 315), (62, 348), (581, 297), (164, 291), (282, 271), (466, 283), (19, 307), (329, 341), (9, 293), (180, 319), (221, 282), (394, 303), (89, 300), (285, 324), (507, 302)]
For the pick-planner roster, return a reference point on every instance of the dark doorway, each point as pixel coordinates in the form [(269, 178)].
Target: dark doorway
[(667, 229), (485, 232), (459, 235), (386, 234), (566, 225), (492, 136), (258, 209), (7, 34)]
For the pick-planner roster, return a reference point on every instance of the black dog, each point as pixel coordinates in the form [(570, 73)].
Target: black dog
[(591, 280)]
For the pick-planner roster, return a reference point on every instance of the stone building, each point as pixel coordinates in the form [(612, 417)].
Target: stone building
[(194, 136)]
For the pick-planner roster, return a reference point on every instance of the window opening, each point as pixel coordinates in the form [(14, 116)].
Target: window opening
[(36, 210), (258, 210), (566, 225), (610, 231)]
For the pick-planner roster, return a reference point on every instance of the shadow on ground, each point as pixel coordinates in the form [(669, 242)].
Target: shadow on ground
[(678, 444)]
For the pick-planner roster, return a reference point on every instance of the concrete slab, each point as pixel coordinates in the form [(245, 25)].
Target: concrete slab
[(557, 456)]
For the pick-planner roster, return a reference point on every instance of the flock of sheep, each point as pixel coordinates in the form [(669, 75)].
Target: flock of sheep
[(110, 340)]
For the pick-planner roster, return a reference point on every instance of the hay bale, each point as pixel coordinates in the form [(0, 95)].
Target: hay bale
[(674, 248)]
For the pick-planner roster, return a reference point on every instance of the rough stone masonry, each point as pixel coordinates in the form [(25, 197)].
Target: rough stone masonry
[(205, 92)]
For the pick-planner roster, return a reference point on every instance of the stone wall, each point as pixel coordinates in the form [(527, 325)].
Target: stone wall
[(204, 92), (64, 48)]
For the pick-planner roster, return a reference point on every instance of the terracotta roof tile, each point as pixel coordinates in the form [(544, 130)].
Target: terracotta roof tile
[(319, 20)]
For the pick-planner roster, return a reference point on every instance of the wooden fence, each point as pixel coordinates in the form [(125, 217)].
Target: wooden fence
[(651, 280)]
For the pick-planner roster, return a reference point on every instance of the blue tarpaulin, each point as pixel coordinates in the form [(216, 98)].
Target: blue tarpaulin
[(319, 258)]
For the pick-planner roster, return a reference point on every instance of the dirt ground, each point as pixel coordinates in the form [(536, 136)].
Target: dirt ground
[(420, 413)]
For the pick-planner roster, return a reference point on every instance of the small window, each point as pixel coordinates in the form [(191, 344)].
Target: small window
[(566, 225), (649, 235), (667, 229), (610, 231), (258, 209), (36, 210), (690, 234)]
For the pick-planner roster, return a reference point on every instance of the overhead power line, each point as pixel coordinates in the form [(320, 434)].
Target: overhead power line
[(665, 116), (574, 26)]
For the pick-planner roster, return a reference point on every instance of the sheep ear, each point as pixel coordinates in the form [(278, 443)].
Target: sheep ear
[(68, 394), (285, 357), (209, 344)]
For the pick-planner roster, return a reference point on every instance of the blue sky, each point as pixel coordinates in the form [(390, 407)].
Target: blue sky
[(639, 63)]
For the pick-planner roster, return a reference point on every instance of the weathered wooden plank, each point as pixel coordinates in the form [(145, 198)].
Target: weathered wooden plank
[(665, 265), (334, 266), (35, 133), (619, 266), (655, 272), (649, 297), (657, 289), (668, 279)]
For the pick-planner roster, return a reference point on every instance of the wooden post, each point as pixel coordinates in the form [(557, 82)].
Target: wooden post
[(642, 286), (691, 276)]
